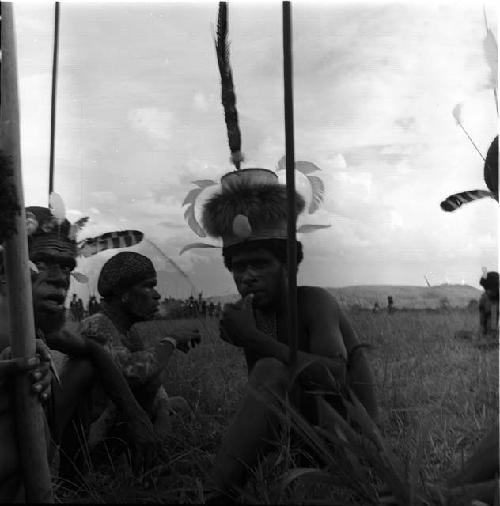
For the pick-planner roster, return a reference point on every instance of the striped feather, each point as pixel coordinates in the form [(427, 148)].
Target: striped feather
[(109, 240), (453, 202)]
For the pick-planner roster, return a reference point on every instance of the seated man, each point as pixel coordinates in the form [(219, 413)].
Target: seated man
[(52, 252), (127, 287), (251, 220)]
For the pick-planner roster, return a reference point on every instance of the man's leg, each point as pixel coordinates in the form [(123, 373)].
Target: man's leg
[(71, 417), (255, 424), (482, 465)]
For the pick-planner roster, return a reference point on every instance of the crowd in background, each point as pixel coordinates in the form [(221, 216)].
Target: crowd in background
[(170, 307)]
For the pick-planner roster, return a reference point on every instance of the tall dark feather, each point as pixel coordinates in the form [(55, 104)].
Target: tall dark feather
[(228, 96)]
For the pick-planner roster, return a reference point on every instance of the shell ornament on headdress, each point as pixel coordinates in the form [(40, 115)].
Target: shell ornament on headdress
[(250, 203)]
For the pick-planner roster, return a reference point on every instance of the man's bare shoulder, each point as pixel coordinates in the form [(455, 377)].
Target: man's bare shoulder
[(99, 327), (316, 297)]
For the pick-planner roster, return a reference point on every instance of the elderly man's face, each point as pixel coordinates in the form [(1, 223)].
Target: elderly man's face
[(142, 300), (50, 287)]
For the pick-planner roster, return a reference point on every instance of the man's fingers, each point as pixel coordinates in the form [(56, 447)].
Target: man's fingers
[(16, 365), (43, 350)]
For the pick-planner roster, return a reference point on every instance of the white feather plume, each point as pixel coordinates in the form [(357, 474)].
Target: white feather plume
[(57, 207)]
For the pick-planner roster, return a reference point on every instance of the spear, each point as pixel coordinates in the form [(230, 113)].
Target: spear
[(29, 414), (290, 183), (53, 99)]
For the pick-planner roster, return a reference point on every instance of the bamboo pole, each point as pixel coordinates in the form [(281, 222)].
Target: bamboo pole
[(29, 414), (290, 183), (53, 99)]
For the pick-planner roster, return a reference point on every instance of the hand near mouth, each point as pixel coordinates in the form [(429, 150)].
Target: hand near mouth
[(238, 320)]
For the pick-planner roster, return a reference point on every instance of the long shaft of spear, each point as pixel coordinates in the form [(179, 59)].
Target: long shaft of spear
[(290, 183), (53, 99), (29, 413)]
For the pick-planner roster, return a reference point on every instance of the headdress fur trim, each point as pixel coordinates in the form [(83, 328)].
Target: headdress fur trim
[(265, 206)]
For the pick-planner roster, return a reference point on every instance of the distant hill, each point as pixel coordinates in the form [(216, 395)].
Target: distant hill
[(411, 297)]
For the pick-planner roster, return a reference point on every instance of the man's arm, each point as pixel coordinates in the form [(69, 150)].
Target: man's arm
[(359, 375), (330, 335), (324, 367), (112, 380), (483, 317)]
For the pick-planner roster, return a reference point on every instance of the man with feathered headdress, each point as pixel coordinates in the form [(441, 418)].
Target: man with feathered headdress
[(249, 214), (52, 253)]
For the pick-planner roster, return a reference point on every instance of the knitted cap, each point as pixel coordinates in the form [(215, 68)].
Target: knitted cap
[(122, 272)]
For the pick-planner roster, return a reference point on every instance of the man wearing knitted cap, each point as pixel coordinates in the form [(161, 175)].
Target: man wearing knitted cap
[(129, 302), (52, 252), (250, 215)]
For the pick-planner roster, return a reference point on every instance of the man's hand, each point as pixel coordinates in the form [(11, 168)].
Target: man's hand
[(38, 366), (238, 322), (187, 339)]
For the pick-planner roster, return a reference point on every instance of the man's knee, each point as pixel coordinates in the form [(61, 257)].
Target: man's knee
[(79, 371), (270, 373)]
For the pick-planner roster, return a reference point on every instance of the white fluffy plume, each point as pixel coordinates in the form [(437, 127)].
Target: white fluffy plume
[(57, 207)]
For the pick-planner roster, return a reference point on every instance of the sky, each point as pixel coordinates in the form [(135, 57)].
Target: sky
[(139, 119)]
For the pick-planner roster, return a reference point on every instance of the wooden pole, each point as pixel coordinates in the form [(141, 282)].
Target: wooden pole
[(53, 99), (29, 413), (290, 183)]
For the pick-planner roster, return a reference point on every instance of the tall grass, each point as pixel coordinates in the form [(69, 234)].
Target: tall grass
[(438, 397)]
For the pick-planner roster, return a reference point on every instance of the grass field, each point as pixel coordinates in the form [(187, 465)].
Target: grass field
[(438, 396)]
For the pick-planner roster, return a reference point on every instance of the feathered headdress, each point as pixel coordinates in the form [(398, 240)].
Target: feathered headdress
[(490, 174), (250, 204), (49, 228)]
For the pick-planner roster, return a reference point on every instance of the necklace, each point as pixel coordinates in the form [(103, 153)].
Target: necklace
[(266, 322)]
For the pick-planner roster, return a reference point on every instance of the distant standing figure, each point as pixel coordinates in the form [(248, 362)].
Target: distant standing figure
[(488, 306), (218, 309), (93, 305), (376, 307), (79, 310), (73, 307), (390, 304)]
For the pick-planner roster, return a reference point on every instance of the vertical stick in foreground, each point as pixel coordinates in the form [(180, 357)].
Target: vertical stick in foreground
[(29, 413), (290, 183), (53, 99)]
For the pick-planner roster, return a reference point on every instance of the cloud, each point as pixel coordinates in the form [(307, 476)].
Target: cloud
[(155, 122), (104, 197), (200, 101)]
